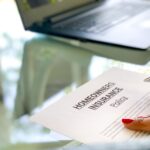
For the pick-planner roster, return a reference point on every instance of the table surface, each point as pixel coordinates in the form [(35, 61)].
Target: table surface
[(36, 69)]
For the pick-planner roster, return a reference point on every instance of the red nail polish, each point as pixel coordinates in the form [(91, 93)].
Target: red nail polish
[(127, 121)]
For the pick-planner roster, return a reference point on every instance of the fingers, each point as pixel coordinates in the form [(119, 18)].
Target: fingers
[(140, 123)]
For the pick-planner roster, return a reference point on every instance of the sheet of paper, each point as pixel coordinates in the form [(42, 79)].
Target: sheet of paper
[(93, 112)]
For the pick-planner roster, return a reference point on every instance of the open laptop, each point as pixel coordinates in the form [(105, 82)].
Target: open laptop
[(125, 23)]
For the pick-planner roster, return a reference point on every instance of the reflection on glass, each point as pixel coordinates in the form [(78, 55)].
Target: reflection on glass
[(48, 67)]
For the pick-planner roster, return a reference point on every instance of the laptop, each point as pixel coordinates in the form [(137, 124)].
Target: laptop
[(122, 23)]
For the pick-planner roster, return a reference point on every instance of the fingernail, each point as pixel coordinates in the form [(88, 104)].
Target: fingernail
[(127, 121)]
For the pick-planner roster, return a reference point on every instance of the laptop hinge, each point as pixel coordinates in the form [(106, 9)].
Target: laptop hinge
[(68, 14)]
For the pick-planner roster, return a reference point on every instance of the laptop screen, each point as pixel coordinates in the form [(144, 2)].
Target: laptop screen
[(35, 10)]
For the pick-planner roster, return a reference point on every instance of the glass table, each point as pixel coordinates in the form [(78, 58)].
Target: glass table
[(35, 70)]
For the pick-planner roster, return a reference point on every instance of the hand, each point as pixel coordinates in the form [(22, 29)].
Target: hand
[(140, 123)]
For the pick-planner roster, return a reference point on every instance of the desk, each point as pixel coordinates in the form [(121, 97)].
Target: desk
[(50, 67), (48, 70), (37, 69)]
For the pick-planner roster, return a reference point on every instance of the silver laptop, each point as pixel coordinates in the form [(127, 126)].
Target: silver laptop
[(123, 23)]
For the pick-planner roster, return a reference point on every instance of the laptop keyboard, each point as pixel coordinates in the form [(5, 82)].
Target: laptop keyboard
[(104, 19)]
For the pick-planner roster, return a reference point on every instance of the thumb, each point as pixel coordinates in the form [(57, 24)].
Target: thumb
[(140, 123)]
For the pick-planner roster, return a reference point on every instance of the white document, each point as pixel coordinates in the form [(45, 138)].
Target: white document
[(93, 113)]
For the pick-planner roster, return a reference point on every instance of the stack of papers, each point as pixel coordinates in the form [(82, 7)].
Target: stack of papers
[(93, 113)]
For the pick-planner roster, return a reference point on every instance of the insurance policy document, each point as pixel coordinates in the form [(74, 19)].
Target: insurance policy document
[(93, 112)]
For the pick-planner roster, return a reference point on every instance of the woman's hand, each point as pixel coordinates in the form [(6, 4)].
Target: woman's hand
[(140, 123)]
